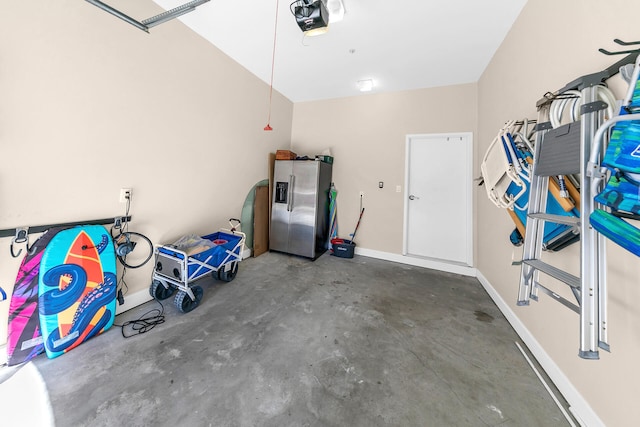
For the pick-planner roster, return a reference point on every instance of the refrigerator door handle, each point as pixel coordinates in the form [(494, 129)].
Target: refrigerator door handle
[(290, 193)]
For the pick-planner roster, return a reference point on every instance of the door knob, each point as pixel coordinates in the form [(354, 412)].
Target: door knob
[(412, 197)]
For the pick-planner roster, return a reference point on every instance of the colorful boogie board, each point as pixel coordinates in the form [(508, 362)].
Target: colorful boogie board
[(77, 288), (24, 340)]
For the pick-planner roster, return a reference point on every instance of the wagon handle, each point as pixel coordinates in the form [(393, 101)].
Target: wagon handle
[(231, 223)]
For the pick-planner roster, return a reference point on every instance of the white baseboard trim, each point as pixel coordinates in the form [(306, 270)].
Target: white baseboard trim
[(579, 407), (133, 300), (140, 297), (418, 262)]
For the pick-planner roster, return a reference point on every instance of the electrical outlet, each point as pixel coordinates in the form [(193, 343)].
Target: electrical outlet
[(125, 194), (362, 194), (398, 189)]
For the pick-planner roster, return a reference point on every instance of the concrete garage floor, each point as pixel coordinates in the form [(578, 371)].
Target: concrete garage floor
[(291, 342)]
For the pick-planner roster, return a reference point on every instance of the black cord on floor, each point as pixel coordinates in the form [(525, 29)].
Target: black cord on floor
[(144, 323)]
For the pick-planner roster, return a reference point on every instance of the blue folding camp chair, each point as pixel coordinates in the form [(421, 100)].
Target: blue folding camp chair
[(621, 163)]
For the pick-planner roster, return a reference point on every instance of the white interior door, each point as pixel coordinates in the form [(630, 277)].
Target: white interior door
[(438, 204)]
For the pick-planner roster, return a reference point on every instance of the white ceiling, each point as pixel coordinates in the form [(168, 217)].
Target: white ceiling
[(399, 44)]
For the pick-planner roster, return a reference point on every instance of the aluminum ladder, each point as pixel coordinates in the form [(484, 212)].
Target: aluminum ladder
[(551, 160)]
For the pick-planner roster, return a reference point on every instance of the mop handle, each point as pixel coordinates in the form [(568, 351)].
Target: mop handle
[(353, 236)]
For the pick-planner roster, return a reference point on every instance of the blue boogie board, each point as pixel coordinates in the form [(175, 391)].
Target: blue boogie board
[(76, 287)]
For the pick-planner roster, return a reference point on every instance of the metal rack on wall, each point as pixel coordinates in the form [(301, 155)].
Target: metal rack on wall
[(21, 234)]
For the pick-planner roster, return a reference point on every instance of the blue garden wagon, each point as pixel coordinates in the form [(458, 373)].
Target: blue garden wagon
[(176, 270)]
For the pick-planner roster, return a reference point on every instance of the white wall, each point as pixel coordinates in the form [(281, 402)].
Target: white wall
[(367, 136), (90, 104), (552, 43)]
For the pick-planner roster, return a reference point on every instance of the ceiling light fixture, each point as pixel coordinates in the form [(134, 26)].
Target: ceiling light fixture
[(316, 31), (365, 85)]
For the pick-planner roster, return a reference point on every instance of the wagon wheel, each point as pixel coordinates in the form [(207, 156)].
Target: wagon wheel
[(183, 301), (159, 292), (228, 275)]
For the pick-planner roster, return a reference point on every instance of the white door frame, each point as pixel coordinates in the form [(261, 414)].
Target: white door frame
[(469, 189)]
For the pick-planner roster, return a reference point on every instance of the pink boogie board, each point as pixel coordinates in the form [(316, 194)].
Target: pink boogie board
[(24, 340)]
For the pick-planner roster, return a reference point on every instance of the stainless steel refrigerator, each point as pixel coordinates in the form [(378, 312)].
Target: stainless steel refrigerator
[(300, 207)]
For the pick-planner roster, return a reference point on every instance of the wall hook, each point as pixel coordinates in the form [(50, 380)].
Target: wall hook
[(622, 52), (22, 236), (623, 43)]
